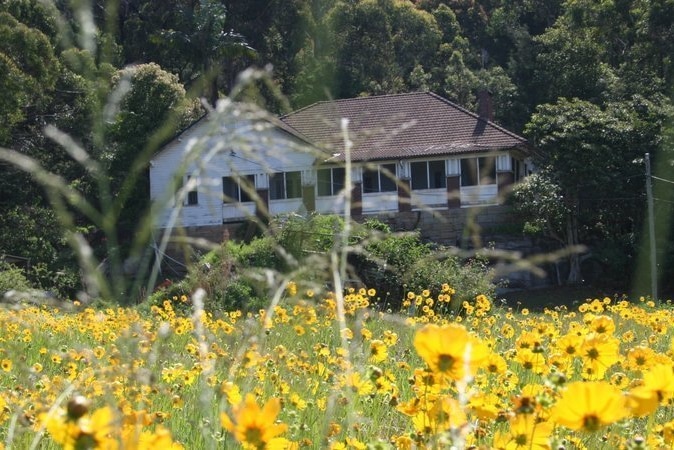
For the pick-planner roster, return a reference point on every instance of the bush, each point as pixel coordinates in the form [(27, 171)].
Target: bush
[(63, 283), (224, 275), (260, 252), (391, 263), (241, 293), (385, 261), (301, 236), (399, 263), (12, 278), (468, 278)]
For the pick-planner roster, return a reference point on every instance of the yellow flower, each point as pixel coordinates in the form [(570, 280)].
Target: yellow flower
[(378, 351), (602, 324), (443, 414), (75, 430), (599, 352), (569, 345), (507, 331), (252, 426), (390, 337), (450, 350), (403, 442), (485, 406), (148, 440), (292, 288), (639, 358), (657, 388), (232, 392), (356, 383), (524, 433), (6, 365), (668, 432), (532, 361), (495, 364), (589, 405)]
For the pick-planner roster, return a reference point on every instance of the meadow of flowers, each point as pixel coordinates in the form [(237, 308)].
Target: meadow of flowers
[(330, 371)]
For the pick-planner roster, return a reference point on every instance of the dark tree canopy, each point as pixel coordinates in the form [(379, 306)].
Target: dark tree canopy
[(589, 82)]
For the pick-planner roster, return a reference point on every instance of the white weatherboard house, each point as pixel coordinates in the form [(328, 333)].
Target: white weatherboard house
[(410, 154)]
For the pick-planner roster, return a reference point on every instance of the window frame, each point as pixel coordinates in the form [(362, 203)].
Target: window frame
[(192, 197), (241, 195), (334, 185), (287, 177), (429, 175), (479, 163), (383, 182)]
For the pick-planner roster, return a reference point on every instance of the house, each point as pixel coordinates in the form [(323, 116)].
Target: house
[(415, 160)]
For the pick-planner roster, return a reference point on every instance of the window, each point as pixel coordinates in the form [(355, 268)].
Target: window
[(284, 185), (478, 171), (428, 174), (330, 181), (192, 196), (236, 189), (380, 179)]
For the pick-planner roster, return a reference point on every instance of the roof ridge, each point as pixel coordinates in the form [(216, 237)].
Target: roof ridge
[(353, 99)]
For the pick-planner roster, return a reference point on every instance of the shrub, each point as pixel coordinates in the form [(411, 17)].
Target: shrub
[(385, 261), (241, 293), (301, 236), (468, 278), (391, 263), (398, 263), (259, 252), (13, 278), (63, 283), (224, 275)]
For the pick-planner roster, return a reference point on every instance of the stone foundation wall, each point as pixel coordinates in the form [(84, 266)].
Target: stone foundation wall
[(450, 226)]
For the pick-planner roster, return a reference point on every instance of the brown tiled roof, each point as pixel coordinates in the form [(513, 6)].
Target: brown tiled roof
[(399, 126)]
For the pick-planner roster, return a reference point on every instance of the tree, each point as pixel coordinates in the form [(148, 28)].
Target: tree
[(569, 63), (154, 108), (28, 72), (13, 95), (586, 153), (364, 50), (190, 38), (314, 63)]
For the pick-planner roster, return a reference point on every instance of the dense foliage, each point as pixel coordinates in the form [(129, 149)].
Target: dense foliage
[(587, 82), (233, 275)]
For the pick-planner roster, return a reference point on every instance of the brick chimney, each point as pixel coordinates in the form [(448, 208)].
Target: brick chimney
[(485, 105)]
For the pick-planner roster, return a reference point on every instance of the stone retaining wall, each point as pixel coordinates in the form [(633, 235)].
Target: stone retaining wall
[(451, 226)]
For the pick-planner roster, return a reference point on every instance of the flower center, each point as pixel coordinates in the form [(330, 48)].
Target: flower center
[(591, 423), (254, 437), (445, 363), (521, 439)]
